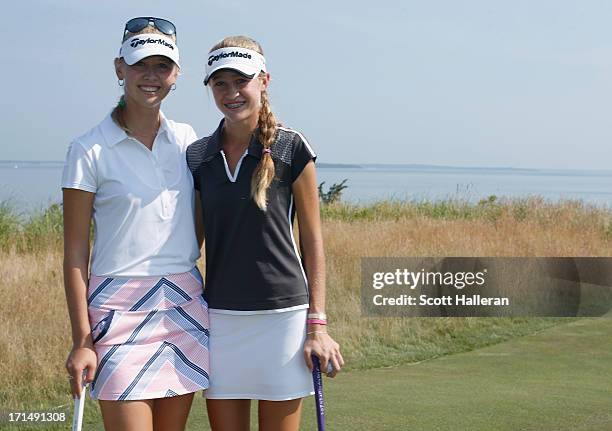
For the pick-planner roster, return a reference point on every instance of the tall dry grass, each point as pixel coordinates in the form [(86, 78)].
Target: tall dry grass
[(34, 327), (530, 227)]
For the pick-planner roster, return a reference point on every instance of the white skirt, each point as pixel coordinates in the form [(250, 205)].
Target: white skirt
[(258, 356)]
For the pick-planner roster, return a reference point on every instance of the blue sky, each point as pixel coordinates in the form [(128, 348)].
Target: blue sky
[(461, 83)]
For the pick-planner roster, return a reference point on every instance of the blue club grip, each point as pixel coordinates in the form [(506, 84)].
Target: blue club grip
[(317, 380)]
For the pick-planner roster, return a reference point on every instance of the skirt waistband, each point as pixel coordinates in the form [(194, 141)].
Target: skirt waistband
[(144, 293)]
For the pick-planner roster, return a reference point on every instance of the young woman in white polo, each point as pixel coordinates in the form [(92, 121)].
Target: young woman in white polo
[(267, 302), (139, 321)]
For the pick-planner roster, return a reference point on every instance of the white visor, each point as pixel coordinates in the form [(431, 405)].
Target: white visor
[(140, 46), (244, 61)]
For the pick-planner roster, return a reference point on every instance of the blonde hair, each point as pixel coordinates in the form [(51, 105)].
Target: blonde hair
[(267, 124), (118, 114)]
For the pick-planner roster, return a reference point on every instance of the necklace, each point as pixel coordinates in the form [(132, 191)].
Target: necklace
[(146, 134)]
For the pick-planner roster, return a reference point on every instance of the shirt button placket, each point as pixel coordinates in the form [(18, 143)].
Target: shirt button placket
[(163, 190)]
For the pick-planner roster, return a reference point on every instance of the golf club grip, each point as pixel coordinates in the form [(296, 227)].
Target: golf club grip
[(317, 380), (79, 406)]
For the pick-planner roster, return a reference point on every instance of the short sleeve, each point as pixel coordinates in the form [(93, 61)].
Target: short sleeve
[(302, 154), (187, 136), (192, 163), (191, 136), (79, 169)]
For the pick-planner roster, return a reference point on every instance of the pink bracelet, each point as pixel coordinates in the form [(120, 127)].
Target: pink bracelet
[(316, 322)]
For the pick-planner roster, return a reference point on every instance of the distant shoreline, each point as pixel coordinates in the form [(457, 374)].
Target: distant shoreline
[(366, 166)]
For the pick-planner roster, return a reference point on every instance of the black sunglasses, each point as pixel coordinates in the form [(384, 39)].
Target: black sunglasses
[(136, 24)]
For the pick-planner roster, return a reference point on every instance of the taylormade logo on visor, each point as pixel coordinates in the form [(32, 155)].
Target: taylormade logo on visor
[(134, 43), (218, 57)]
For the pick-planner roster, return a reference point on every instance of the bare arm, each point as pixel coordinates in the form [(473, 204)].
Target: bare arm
[(311, 243), (77, 217), (311, 240)]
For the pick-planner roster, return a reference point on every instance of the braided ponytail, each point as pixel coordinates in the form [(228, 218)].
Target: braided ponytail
[(264, 172)]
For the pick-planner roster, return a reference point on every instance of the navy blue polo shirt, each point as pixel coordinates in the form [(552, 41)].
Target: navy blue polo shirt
[(252, 261)]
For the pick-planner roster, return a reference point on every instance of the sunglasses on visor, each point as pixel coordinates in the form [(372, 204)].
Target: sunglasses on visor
[(136, 24)]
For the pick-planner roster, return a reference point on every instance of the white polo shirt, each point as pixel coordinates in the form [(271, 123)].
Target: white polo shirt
[(143, 205)]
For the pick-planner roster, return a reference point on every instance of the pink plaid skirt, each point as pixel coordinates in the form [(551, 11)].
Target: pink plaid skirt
[(150, 335)]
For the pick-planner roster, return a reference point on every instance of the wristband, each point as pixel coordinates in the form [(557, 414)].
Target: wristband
[(316, 322), (321, 316)]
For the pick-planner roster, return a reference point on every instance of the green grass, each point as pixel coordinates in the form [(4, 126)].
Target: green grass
[(491, 209), (394, 341), (10, 224), (556, 379), (41, 230)]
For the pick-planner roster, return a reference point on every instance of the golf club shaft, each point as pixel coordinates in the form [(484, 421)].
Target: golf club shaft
[(79, 404), (317, 379)]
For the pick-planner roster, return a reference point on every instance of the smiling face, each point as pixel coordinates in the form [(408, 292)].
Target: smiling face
[(237, 97), (148, 81)]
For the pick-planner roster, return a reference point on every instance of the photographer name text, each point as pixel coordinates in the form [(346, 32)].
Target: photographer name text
[(420, 279)]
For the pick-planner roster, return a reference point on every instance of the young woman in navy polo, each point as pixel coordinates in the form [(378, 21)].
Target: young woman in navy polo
[(267, 303)]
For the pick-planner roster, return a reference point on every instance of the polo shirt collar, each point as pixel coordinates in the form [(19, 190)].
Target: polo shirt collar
[(113, 134), (214, 144), (164, 125)]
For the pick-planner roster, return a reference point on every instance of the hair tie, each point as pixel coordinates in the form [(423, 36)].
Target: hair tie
[(266, 151)]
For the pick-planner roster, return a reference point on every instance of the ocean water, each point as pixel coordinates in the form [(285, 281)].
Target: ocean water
[(31, 186), (371, 183)]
